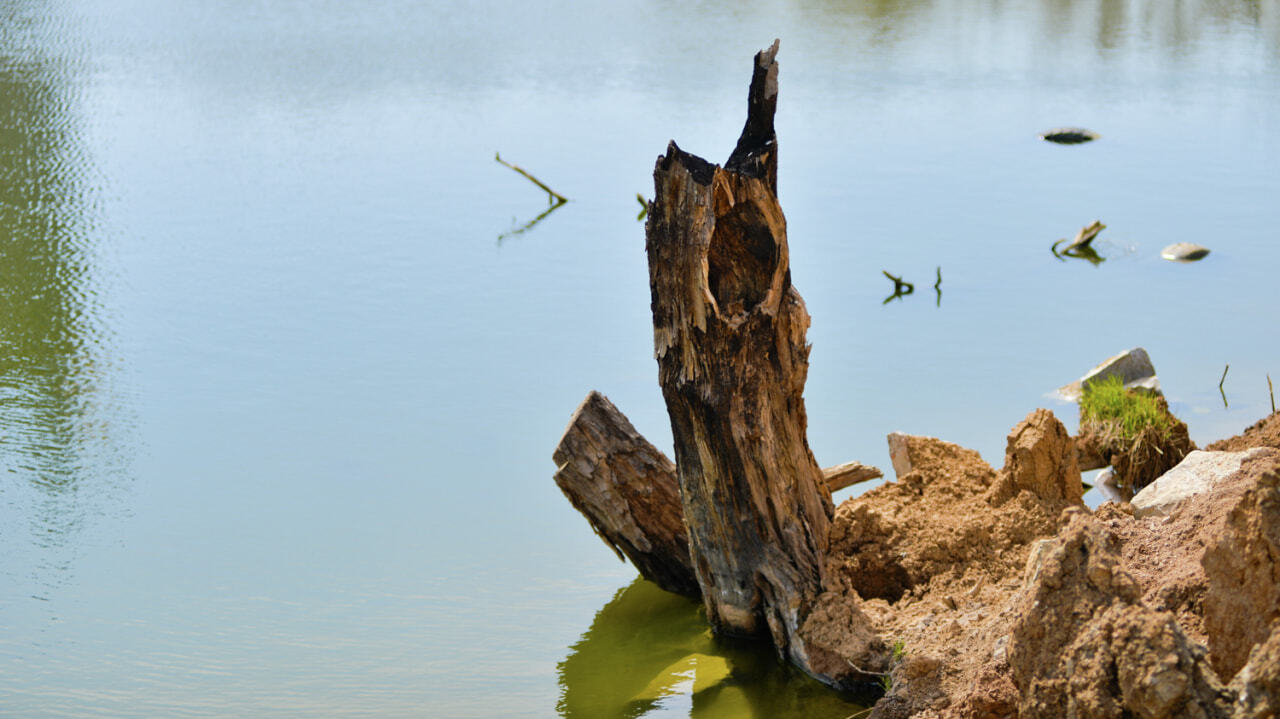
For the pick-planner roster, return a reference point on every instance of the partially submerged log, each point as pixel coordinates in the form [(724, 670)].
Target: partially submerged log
[(729, 336), (627, 490)]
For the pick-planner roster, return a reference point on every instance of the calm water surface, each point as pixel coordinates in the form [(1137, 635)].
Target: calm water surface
[(277, 403)]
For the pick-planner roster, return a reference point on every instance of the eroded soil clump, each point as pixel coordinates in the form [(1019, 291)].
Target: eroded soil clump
[(984, 594), (1138, 455), (931, 562)]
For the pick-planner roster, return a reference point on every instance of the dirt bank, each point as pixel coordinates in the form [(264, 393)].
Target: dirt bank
[(1264, 433), (983, 593)]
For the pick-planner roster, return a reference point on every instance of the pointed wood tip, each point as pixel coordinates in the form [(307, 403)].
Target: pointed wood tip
[(755, 154), (698, 168)]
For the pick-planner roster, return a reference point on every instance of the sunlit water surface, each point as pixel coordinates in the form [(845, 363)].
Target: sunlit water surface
[(280, 374)]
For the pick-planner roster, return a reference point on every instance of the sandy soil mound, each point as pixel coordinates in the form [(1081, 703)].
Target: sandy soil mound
[(983, 594), (1257, 686), (1243, 569), (1166, 554), (930, 564), (1264, 433), (1084, 644)]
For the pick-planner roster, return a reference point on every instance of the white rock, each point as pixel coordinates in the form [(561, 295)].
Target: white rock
[(1196, 473), (1184, 252), (1132, 366)]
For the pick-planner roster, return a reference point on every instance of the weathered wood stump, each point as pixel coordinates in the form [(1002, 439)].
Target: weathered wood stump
[(729, 335), (627, 490)]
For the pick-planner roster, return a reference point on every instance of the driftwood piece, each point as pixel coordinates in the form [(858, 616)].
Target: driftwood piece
[(729, 336), (848, 474), (1085, 236), (627, 490)]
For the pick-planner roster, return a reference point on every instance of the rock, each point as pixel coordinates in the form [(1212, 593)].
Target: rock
[(1040, 457), (1243, 569), (1069, 135), (1106, 484), (1184, 252), (905, 450), (1257, 685), (839, 640), (1199, 472), (1084, 644), (1132, 366)]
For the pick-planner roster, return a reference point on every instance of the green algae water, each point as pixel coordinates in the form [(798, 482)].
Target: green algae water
[(284, 353), (650, 653)]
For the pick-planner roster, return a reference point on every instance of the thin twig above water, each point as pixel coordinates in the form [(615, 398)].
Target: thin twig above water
[(553, 195)]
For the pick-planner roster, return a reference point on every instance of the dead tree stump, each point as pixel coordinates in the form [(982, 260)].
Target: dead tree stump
[(627, 490), (729, 335)]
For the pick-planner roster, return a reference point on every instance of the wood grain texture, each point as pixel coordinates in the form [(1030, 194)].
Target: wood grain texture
[(627, 490), (729, 336)]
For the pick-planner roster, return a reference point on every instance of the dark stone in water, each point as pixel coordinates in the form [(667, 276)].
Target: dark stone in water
[(1069, 135)]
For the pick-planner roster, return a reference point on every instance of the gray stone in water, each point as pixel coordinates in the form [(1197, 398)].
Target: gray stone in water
[(1069, 135), (1196, 473), (1184, 252), (1133, 367)]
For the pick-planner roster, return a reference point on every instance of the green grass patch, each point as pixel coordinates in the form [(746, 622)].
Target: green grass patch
[(1107, 401)]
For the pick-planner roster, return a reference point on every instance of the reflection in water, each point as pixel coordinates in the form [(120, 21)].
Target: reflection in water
[(520, 230), (1176, 29), (901, 288), (1082, 252), (649, 650), (53, 435), (555, 200)]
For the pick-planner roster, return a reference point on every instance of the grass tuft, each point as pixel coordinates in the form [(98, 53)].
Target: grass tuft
[(1107, 401)]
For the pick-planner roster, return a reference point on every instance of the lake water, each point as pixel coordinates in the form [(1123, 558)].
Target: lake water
[(280, 380)]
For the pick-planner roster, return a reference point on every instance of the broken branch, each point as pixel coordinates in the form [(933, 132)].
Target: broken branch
[(553, 195)]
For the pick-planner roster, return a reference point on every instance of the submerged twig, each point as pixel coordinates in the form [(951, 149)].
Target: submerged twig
[(1081, 247), (553, 195), (1086, 235), (644, 207), (937, 286), (1084, 252), (898, 285)]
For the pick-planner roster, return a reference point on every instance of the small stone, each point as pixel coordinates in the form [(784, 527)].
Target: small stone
[(1196, 473), (1132, 366), (1106, 484), (903, 448), (1184, 252), (1069, 135)]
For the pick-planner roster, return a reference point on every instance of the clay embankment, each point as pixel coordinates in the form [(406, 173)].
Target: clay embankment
[(997, 594)]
